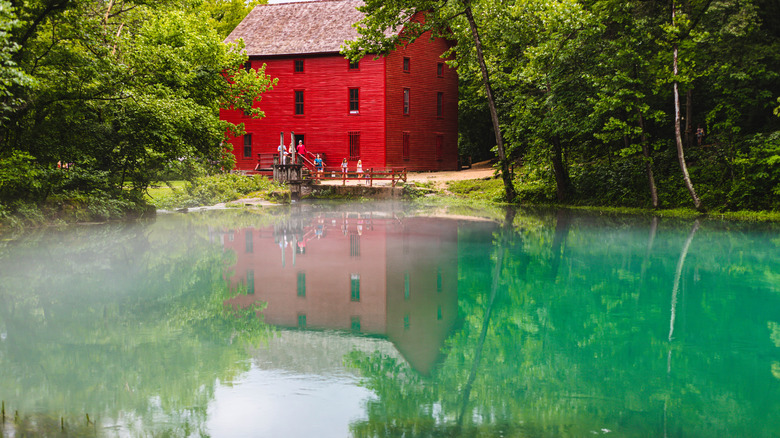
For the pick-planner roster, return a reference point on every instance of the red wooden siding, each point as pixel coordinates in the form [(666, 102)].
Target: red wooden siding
[(424, 126), (375, 123), (326, 121)]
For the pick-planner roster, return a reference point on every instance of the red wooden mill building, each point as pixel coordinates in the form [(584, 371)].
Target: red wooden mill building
[(397, 111)]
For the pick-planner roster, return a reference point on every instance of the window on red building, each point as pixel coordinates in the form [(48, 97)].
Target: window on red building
[(405, 146), (406, 102), (354, 145), (407, 65), (354, 65), (354, 100), (247, 145), (298, 102), (298, 66), (440, 69)]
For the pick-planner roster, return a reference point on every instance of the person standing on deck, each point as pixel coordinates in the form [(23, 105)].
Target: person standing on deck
[(344, 167), (359, 169), (318, 165), (301, 150)]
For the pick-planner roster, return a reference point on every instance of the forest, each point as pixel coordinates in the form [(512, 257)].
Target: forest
[(641, 103)]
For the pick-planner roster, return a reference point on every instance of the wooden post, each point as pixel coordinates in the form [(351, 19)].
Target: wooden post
[(292, 147), (281, 147)]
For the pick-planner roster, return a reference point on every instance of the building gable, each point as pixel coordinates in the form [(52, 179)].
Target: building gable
[(298, 28)]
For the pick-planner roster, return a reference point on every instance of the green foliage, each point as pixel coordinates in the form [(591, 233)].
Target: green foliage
[(20, 178), (226, 14), (487, 190), (617, 183), (224, 187), (756, 184), (129, 93), (11, 76), (583, 86)]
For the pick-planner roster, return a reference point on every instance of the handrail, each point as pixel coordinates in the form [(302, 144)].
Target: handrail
[(370, 175)]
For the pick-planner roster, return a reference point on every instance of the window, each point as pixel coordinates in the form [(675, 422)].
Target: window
[(298, 66), (407, 324), (407, 65), (439, 147), (405, 146), (247, 145), (439, 104), (248, 66), (354, 100), (250, 281), (354, 245), (440, 69), (406, 101), (298, 102), (354, 287), (302, 284), (355, 324), (438, 313), (354, 65), (302, 320), (354, 145), (249, 242)]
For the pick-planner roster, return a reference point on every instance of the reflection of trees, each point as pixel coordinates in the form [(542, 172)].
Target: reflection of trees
[(582, 351), (120, 320)]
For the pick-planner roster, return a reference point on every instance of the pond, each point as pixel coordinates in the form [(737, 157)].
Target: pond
[(392, 319)]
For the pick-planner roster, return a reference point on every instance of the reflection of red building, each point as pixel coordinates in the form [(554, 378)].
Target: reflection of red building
[(377, 276)]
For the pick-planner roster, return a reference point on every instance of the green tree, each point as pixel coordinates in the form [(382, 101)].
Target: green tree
[(404, 17), (226, 14), (125, 89)]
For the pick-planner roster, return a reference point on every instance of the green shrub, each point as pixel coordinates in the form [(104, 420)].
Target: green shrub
[(210, 190), (21, 178)]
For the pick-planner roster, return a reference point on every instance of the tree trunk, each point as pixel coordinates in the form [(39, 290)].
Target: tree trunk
[(562, 182), (648, 161), (505, 174), (677, 133)]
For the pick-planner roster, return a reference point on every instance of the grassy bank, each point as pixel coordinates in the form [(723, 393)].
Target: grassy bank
[(492, 191), (95, 205)]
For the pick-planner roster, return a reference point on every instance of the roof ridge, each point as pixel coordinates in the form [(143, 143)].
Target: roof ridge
[(305, 2)]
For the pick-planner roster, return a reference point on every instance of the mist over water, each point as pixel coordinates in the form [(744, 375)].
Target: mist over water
[(385, 319)]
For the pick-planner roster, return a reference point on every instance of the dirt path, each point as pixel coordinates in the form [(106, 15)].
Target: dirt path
[(478, 171)]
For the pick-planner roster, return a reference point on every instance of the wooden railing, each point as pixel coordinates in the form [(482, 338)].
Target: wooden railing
[(369, 176)]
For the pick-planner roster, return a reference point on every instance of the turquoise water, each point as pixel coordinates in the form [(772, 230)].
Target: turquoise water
[(377, 320)]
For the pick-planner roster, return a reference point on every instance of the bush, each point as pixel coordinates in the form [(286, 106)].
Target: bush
[(210, 190), (21, 178)]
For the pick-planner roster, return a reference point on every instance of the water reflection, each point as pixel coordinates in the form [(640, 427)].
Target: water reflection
[(366, 273), (530, 324), (579, 325)]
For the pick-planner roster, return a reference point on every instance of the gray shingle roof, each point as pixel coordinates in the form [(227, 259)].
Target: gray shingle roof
[(298, 28)]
